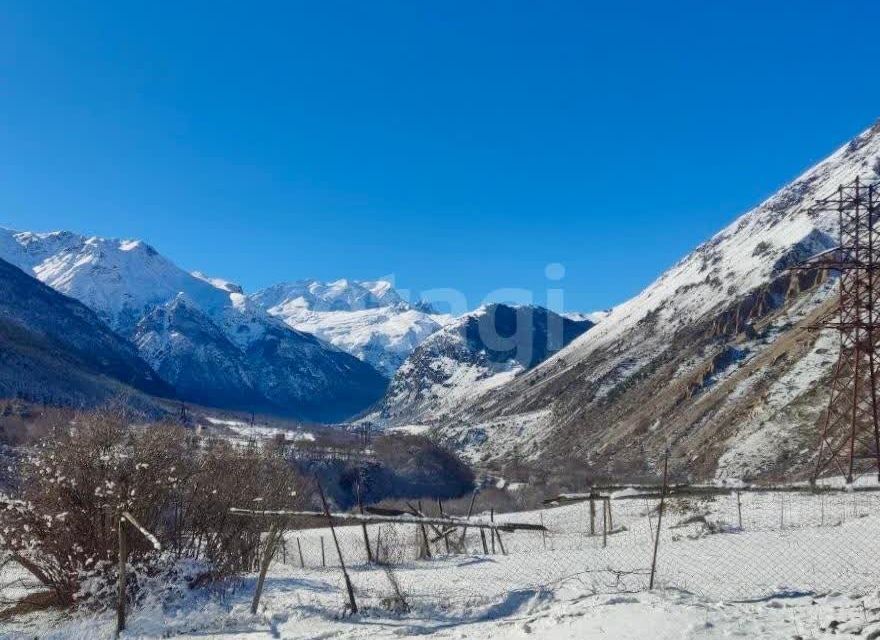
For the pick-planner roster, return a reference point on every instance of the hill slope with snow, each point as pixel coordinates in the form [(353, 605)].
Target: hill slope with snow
[(53, 349), (713, 359), (480, 351)]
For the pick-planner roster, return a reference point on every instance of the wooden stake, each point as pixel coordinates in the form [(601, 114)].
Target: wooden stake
[(348, 585), (610, 516), (379, 546), (364, 525), (323, 558), (461, 541), (492, 519), (302, 564), (605, 523), (739, 510), (592, 515), (123, 557), (425, 536), (543, 532), (659, 520), (445, 537), (123, 560), (268, 553), (483, 538)]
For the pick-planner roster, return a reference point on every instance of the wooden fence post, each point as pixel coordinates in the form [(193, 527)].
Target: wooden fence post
[(659, 520), (543, 531), (379, 545), (425, 535), (302, 564), (492, 531), (592, 514), (323, 558), (348, 585), (739, 511), (445, 537), (364, 525), (268, 553), (500, 544), (462, 545), (604, 523), (123, 561), (123, 556)]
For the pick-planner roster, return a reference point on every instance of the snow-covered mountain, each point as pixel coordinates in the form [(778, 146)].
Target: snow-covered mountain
[(712, 359), (202, 334), (594, 316), (367, 319), (479, 351), (54, 349)]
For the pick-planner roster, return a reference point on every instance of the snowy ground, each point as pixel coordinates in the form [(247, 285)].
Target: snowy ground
[(241, 432), (800, 566)]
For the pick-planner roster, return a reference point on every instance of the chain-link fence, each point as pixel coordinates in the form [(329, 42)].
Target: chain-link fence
[(737, 546)]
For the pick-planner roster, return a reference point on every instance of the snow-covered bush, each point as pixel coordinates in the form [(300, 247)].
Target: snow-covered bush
[(62, 524)]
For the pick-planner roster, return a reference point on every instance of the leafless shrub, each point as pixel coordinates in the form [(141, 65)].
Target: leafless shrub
[(397, 602), (392, 549), (73, 487)]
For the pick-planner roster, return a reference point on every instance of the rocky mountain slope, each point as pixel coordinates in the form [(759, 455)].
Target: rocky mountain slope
[(479, 351), (54, 349), (367, 319), (203, 335), (712, 360)]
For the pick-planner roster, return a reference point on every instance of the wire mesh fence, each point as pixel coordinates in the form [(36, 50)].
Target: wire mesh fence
[(722, 547)]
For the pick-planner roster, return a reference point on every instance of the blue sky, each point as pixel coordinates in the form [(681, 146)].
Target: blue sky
[(461, 145)]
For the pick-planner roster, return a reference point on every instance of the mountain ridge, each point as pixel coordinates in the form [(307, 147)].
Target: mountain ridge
[(55, 349), (368, 319), (124, 281), (674, 366)]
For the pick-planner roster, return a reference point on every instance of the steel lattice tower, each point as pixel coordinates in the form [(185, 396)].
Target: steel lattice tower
[(849, 443)]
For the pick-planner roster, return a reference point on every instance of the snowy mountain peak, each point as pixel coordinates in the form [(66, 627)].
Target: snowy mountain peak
[(480, 351), (368, 319), (219, 283), (340, 295), (119, 279), (203, 335), (594, 316)]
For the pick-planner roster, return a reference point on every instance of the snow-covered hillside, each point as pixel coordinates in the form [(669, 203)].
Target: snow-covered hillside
[(202, 334), (480, 351), (368, 319), (53, 349), (691, 359)]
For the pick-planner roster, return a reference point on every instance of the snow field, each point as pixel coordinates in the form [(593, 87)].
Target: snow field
[(788, 542), (801, 565)]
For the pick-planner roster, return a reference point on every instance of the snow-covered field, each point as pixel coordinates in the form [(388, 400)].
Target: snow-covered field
[(243, 433), (800, 566)]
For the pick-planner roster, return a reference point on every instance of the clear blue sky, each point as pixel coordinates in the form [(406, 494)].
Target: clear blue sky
[(453, 144)]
